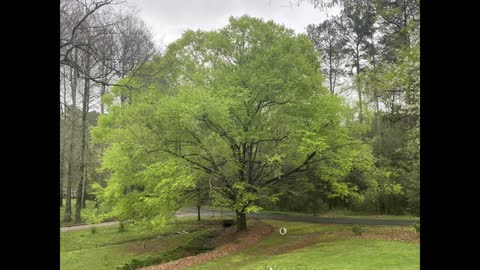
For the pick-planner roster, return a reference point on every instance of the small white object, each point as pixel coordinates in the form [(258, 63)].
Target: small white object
[(283, 231)]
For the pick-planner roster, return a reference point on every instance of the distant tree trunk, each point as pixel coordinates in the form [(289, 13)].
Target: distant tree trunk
[(103, 87), (379, 131), (241, 220), (378, 207), (61, 192), (330, 75), (73, 116), (82, 182), (78, 204), (359, 91), (62, 139), (84, 187), (61, 183), (102, 93), (198, 205), (62, 163)]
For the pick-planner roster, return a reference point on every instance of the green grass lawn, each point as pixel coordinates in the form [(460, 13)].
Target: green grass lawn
[(352, 254), (109, 248), (315, 246), (86, 211), (306, 246)]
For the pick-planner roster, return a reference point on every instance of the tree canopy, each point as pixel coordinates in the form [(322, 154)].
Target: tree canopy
[(243, 106)]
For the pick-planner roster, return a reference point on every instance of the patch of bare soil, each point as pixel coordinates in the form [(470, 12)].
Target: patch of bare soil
[(256, 232), (392, 233), (303, 241)]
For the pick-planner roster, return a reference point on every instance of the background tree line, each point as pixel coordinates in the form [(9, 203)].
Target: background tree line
[(100, 42), (371, 55)]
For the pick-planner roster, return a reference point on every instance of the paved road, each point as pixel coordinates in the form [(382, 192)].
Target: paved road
[(310, 219), (74, 228)]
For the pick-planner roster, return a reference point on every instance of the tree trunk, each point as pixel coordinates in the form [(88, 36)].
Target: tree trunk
[(80, 190), (78, 204), (241, 220), (330, 79), (103, 90), (63, 128), (61, 192), (81, 186), (73, 116), (359, 91), (198, 203), (62, 165), (84, 174), (84, 188), (379, 132)]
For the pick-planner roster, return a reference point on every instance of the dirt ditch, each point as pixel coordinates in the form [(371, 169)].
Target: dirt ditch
[(222, 242)]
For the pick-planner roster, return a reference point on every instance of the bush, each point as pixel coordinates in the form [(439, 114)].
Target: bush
[(417, 227), (317, 206), (228, 222), (121, 227), (93, 230), (357, 230), (106, 259), (133, 264)]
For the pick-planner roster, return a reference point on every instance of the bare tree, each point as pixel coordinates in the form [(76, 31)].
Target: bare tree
[(74, 24), (98, 45), (63, 115), (356, 25), (331, 45), (134, 46), (73, 117)]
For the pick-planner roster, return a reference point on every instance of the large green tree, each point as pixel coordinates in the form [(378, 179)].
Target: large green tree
[(243, 106)]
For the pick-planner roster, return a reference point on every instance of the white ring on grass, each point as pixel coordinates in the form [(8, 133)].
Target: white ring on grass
[(283, 231)]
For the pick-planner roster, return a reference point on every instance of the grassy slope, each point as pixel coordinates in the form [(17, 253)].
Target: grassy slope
[(355, 254), (108, 248), (329, 252)]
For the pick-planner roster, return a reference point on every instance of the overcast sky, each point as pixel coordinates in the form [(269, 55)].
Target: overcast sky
[(169, 18)]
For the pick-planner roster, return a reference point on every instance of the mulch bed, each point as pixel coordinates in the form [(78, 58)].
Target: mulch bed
[(256, 232)]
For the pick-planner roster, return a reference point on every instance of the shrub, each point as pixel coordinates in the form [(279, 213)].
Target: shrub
[(121, 227), (228, 222), (417, 227), (93, 230), (317, 206), (106, 260), (357, 230), (133, 264)]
